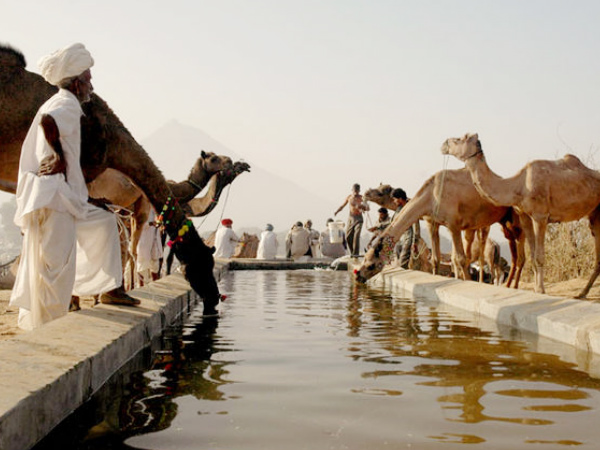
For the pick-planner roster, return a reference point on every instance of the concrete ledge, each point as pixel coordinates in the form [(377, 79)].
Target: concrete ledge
[(569, 321), (48, 373)]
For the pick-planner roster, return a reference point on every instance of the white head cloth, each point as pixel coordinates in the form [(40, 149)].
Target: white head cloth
[(65, 63)]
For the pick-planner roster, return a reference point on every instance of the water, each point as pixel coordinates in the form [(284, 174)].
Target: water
[(306, 360)]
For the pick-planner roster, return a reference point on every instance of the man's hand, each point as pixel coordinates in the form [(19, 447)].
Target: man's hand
[(100, 202), (52, 164)]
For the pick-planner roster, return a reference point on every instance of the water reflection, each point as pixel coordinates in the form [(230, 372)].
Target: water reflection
[(296, 350), (181, 367)]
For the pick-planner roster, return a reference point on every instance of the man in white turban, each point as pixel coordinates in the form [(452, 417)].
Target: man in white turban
[(267, 247), (70, 246)]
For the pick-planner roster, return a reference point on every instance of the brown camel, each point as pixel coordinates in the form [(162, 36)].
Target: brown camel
[(105, 143), (247, 247), (546, 191), (119, 190), (449, 198)]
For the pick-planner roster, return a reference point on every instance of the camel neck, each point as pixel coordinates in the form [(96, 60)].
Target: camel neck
[(477, 153)]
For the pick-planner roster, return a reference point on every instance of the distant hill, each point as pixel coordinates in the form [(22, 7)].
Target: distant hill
[(253, 200)]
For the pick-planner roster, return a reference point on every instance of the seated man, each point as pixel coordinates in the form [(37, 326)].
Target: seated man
[(297, 242)]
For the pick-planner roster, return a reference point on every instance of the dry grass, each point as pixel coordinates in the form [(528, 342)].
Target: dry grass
[(569, 252)]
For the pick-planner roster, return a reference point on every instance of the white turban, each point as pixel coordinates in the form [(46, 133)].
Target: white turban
[(65, 63)]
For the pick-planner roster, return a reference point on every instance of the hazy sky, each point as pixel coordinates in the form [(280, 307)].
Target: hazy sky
[(332, 92)]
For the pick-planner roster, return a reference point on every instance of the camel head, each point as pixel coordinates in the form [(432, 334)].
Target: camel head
[(207, 165), (198, 264), (376, 258), (380, 195), (462, 148)]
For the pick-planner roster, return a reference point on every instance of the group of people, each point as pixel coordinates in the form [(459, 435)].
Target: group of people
[(71, 244), (303, 241)]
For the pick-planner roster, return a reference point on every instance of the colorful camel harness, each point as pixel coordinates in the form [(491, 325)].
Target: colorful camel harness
[(165, 217)]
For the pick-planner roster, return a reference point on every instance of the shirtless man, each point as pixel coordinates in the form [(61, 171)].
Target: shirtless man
[(355, 220)]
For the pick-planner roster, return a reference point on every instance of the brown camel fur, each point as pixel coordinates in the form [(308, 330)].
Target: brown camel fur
[(119, 190), (449, 198), (247, 247), (546, 191), (105, 143)]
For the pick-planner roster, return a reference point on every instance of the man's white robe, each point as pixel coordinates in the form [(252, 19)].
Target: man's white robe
[(225, 242), (69, 246), (267, 247)]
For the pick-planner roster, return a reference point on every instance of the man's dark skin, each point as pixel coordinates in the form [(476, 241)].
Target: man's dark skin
[(82, 88)]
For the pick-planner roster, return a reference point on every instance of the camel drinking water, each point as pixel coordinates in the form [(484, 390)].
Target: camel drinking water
[(447, 198)]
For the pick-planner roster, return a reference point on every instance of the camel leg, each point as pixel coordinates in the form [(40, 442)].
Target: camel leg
[(595, 229), (436, 256), (459, 260), (514, 235), (469, 238), (512, 245), (483, 235), (539, 234), (526, 235)]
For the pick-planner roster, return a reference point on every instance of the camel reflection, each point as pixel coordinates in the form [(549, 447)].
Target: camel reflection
[(483, 377), (182, 367)]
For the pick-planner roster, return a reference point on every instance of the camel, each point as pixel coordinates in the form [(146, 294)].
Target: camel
[(545, 191), (105, 143), (247, 247), (120, 190), (462, 208)]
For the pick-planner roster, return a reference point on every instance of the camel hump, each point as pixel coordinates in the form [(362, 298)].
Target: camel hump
[(572, 161), (10, 56)]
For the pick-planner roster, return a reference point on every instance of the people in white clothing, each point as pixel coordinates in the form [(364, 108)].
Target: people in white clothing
[(332, 249), (297, 242), (267, 247), (69, 245), (149, 251), (314, 239), (225, 240)]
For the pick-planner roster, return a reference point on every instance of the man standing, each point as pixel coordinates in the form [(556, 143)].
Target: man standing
[(69, 246), (355, 220), (225, 240), (408, 241), (314, 238)]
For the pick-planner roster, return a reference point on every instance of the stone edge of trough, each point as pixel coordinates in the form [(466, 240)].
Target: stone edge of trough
[(569, 321), (46, 374)]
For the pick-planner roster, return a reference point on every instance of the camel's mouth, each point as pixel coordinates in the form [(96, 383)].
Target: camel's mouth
[(445, 148), (359, 277)]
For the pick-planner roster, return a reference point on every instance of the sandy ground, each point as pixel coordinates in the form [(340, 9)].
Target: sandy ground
[(8, 315)]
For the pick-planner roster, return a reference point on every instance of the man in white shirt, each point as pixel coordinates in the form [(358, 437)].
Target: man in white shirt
[(225, 240), (267, 247), (69, 246)]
